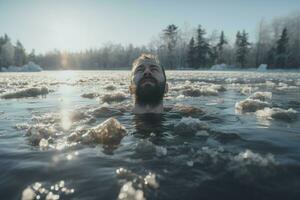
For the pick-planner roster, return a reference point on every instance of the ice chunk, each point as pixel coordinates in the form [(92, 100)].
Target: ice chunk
[(246, 90), (249, 158), (150, 180), (110, 132), (110, 87), (128, 192), (29, 92), (28, 194), (189, 125), (105, 112), (278, 113), (203, 91), (250, 105), (38, 132), (262, 96), (115, 97), (43, 143), (161, 151), (90, 95), (187, 110), (145, 148)]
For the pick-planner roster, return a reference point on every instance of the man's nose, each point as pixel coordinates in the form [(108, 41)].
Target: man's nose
[(147, 72)]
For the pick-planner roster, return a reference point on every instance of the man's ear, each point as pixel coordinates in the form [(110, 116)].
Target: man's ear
[(130, 89), (166, 88)]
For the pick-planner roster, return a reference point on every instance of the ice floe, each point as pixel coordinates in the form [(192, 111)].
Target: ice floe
[(28, 92), (39, 191), (278, 113), (189, 125), (187, 110), (135, 185), (109, 132), (114, 97), (250, 105), (262, 96)]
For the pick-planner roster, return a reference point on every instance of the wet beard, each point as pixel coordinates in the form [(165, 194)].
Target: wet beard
[(149, 94)]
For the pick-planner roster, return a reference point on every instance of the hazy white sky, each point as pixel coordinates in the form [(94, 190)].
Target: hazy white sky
[(77, 24)]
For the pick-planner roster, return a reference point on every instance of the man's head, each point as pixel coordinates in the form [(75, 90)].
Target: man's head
[(148, 80)]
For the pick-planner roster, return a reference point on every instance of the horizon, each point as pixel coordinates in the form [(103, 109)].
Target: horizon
[(65, 26)]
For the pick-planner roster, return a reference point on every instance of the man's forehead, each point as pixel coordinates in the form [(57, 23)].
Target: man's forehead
[(146, 63)]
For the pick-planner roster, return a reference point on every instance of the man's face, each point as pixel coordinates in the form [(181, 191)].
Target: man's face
[(148, 82)]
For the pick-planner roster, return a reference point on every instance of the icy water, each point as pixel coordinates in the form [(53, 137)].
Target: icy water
[(224, 135)]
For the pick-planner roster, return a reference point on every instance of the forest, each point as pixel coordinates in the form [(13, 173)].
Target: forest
[(277, 44)]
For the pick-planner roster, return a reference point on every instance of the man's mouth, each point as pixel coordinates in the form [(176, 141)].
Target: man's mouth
[(148, 80)]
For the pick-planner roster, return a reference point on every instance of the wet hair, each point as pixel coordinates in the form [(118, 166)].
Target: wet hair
[(148, 58)]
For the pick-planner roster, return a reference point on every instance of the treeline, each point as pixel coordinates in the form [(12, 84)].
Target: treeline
[(277, 45)]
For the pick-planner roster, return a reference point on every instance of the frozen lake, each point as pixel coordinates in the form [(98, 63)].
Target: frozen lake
[(224, 135)]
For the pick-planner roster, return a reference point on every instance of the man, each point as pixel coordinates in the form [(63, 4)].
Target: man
[(148, 85)]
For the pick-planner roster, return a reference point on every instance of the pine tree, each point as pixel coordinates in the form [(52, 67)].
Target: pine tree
[(242, 48), (220, 48), (170, 36), (282, 49), (191, 54), (202, 48), (20, 55)]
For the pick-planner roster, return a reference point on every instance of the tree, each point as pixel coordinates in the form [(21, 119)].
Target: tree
[(220, 48), (170, 36), (282, 49), (20, 54), (191, 54), (202, 48), (242, 48)]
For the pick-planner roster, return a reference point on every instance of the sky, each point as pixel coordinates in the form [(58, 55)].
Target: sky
[(75, 25)]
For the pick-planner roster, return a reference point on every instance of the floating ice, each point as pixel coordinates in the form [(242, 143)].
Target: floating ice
[(189, 125), (110, 87), (29, 92), (114, 97), (105, 112), (249, 158), (38, 132), (28, 194), (187, 110), (90, 95), (150, 180), (262, 96), (203, 91), (246, 90), (278, 113), (128, 192), (109, 132), (250, 105), (145, 148)]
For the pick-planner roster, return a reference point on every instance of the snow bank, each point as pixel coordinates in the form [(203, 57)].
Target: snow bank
[(30, 67), (262, 67), (221, 67), (28, 92), (278, 113)]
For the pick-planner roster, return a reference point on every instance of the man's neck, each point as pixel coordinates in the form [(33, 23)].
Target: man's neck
[(142, 109)]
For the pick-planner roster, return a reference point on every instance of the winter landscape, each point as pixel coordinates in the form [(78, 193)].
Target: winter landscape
[(230, 130)]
